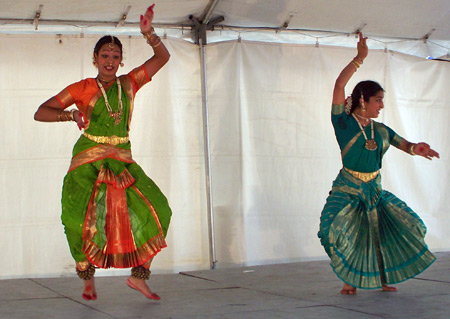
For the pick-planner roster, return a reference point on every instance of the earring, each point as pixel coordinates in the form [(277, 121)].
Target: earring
[(94, 62), (363, 105), (121, 64)]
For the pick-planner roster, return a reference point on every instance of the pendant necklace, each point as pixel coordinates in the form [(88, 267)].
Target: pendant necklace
[(117, 116), (371, 145)]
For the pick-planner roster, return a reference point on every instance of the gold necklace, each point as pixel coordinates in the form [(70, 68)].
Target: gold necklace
[(371, 145), (105, 81), (117, 116), (362, 117)]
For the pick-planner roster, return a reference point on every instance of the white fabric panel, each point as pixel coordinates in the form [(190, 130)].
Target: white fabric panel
[(275, 154), (166, 135), (274, 151)]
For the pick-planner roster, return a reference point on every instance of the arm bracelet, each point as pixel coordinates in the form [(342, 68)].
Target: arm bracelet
[(411, 149), (355, 64), (150, 35), (64, 116)]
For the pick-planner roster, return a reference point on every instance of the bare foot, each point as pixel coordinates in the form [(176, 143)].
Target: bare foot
[(388, 288), (348, 290), (140, 285), (89, 292)]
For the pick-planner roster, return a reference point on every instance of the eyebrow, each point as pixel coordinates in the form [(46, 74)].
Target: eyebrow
[(106, 50)]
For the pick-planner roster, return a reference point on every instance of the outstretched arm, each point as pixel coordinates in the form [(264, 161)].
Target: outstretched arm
[(421, 149), (349, 70), (161, 55)]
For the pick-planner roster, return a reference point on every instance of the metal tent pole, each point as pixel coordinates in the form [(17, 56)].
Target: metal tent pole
[(209, 193)]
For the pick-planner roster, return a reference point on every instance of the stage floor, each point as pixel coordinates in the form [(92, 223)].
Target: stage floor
[(295, 290)]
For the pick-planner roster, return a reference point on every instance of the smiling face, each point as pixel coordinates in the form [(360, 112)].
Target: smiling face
[(374, 106), (108, 60)]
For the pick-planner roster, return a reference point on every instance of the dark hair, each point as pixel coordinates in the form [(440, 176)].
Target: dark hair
[(365, 88), (107, 39)]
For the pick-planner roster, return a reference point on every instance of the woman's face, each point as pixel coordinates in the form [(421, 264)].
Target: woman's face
[(374, 105), (108, 60)]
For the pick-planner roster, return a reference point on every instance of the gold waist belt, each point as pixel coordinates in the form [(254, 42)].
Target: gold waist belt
[(365, 177), (112, 140)]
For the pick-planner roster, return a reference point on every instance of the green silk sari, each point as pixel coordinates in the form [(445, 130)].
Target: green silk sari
[(113, 214), (371, 236)]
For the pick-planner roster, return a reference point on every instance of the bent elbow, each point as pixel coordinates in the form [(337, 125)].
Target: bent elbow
[(167, 58)]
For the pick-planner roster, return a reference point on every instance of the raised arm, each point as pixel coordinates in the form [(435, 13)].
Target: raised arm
[(349, 70), (161, 55)]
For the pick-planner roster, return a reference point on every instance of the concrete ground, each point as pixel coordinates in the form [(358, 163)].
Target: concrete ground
[(295, 290)]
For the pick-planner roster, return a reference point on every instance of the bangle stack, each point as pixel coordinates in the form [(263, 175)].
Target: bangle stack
[(152, 38), (64, 116), (356, 63)]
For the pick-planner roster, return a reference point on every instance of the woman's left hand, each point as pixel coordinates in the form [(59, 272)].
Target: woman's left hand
[(146, 20), (78, 117), (423, 149)]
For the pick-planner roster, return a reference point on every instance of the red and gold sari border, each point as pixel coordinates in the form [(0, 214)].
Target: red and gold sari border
[(141, 76), (121, 181), (130, 92), (89, 227), (100, 152), (96, 256), (150, 206)]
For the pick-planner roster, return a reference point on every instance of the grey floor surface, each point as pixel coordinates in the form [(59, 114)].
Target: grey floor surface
[(294, 290)]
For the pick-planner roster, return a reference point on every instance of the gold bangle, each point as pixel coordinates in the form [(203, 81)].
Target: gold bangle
[(64, 116), (148, 34), (411, 149), (58, 115), (356, 65), (359, 61), (153, 39), (71, 115), (155, 45)]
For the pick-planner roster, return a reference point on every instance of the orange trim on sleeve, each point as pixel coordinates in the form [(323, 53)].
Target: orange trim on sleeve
[(65, 98), (139, 78), (60, 102)]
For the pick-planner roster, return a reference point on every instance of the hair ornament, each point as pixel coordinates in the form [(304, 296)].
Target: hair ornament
[(111, 44), (348, 105)]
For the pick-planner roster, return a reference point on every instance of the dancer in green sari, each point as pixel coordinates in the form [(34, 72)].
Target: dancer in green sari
[(373, 238), (113, 214)]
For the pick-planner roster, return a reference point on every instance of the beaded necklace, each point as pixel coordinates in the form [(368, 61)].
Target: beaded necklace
[(371, 145), (117, 116)]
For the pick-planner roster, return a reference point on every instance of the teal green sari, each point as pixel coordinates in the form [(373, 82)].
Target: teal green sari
[(114, 215), (372, 237)]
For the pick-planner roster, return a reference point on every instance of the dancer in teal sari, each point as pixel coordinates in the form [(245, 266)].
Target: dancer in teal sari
[(114, 215), (372, 237)]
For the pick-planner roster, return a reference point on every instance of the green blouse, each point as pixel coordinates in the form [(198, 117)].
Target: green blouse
[(352, 142)]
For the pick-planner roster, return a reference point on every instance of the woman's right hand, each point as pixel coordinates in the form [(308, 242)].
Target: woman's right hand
[(363, 50), (146, 19)]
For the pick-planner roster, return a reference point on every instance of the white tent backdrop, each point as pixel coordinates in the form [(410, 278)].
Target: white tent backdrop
[(408, 26), (274, 154), (274, 151)]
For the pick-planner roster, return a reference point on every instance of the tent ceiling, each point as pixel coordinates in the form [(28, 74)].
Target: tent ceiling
[(410, 19)]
